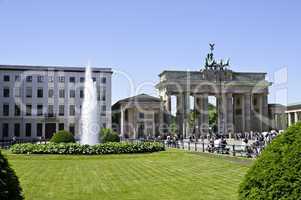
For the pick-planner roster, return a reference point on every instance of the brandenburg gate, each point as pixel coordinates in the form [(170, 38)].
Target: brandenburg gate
[(241, 99)]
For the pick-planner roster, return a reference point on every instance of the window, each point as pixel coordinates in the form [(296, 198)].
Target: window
[(61, 126), (82, 79), (50, 79), (5, 129), (28, 109), (72, 93), (17, 78), (103, 80), (71, 110), (50, 111), (50, 93), (71, 129), (28, 92), (40, 79), (61, 110), (6, 78), (5, 109), (238, 111), (62, 79), (141, 115), (98, 94), (17, 91), (40, 93), (94, 79), (104, 125), (17, 110), (39, 110), (81, 93), (39, 129), (28, 129), (104, 95), (103, 110), (17, 129), (5, 92), (62, 93), (72, 79), (28, 78)]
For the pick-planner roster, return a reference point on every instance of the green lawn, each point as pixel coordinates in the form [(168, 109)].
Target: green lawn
[(173, 174)]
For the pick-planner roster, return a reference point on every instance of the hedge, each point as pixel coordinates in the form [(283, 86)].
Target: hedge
[(73, 148), (62, 137), (108, 135), (276, 174), (9, 184)]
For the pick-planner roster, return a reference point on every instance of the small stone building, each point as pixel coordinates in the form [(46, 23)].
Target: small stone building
[(137, 117), (277, 116), (293, 112)]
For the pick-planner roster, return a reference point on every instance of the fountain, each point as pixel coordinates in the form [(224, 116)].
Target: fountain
[(90, 112)]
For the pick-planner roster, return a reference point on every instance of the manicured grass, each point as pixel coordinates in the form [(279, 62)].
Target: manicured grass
[(173, 174)]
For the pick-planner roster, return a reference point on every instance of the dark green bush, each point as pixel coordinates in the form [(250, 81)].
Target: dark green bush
[(9, 184), (108, 135), (276, 174), (73, 148), (62, 137)]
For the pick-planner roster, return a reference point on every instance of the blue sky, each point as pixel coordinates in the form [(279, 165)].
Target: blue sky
[(142, 38)]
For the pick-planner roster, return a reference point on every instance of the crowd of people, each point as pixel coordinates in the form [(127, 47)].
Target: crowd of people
[(251, 144)]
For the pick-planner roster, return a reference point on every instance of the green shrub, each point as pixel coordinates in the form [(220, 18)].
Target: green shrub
[(276, 174), (9, 184), (108, 135), (62, 137), (74, 148)]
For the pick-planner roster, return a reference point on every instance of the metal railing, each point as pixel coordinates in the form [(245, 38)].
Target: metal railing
[(230, 149), (5, 144)]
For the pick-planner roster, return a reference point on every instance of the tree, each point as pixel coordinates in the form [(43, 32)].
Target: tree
[(62, 137), (9, 184), (108, 135), (276, 173)]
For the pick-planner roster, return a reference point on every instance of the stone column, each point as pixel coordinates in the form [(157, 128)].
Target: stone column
[(247, 112), (201, 102), (229, 113), (161, 118), (222, 114), (154, 124), (219, 111), (238, 113), (167, 109), (186, 106), (205, 119), (179, 114), (197, 108), (135, 124), (260, 118), (265, 111), (122, 121), (289, 120), (296, 117), (167, 103)]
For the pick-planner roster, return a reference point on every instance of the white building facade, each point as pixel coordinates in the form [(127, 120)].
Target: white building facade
[(36, 101)]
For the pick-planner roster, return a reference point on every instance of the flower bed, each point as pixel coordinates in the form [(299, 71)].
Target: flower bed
[(73, 148)]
